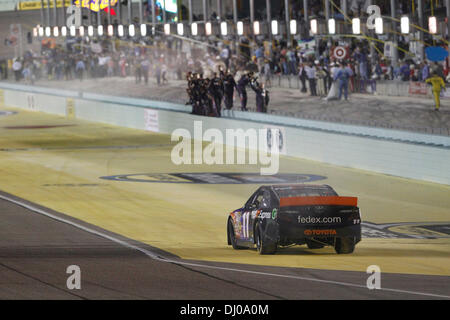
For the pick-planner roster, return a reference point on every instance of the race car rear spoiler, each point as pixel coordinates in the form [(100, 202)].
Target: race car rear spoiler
[(315, 201)]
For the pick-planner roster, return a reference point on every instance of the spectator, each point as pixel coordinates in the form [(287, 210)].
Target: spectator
[(437, 85), (79, 69), (28, 73), (164, 79), (320, 80), (342, 77), (333, 92), (17, 68), (267, 74), (302, 76), (137, 70), (425, 71), (405, 71), (145, 69), (311, 75)]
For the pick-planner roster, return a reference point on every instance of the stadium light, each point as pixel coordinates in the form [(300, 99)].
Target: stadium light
[(120, 30), (313, 25), (240, 28), (293, 26), (55, 31), (48, 32), (81, 31), (180, 29), (356, 25), (100, 30), (110, 30), (41, 31), (131, 30), (73, 31), (194, 28), (404, 25), (256, 28), (64, 31), (432, 25), (143, 29), (332, 26), (379, 25), (208, 28), (274, 28), (90, 31), (167, 29), (223, 28)]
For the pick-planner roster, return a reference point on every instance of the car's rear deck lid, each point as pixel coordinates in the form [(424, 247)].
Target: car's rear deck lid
[(319, 201)]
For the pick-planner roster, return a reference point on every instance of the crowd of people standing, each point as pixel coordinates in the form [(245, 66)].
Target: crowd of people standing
[(206, 95), (254, 67)]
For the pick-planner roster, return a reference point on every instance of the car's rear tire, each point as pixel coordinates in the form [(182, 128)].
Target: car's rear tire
[(263, 246), (344, 245), (313, 244), (232, 236)]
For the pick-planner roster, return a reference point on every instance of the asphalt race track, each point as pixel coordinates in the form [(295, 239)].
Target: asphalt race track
[(35, 251), (98, 196)]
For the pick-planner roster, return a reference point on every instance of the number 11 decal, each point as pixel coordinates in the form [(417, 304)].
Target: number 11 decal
[(245, 224)]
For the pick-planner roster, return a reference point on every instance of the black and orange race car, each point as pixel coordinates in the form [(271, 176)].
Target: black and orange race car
[(283, 215)]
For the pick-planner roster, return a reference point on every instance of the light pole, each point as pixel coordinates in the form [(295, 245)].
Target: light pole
[(42, 13), (109, 12), (152, 3), (191, 17), (372, 43), (287, 18), (219, 9), (140, 12), (420, 16), (129, 11), (48, 13), (252, 11), (205, 11), (252, 18), (119, 12), (394, 28), (55, 16), (164, 11), (306, 16), (345, 11), (269, 17), (447, 4)]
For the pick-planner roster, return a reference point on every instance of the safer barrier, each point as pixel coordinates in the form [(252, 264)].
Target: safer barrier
[(399, 153)]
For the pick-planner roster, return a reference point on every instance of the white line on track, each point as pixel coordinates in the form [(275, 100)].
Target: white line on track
[(161, 259)]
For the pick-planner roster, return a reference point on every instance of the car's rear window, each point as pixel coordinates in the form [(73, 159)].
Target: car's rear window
[(289, 192)]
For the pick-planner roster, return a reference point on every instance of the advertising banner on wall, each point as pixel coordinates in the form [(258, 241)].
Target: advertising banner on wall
[(36, 5), (151, 118)]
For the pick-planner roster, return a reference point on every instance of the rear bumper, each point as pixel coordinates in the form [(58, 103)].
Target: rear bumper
[(319, 232)]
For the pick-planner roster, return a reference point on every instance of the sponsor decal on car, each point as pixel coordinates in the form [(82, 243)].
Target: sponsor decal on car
[(274, 213), (320, 232), (265, 215), (318, 220)]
